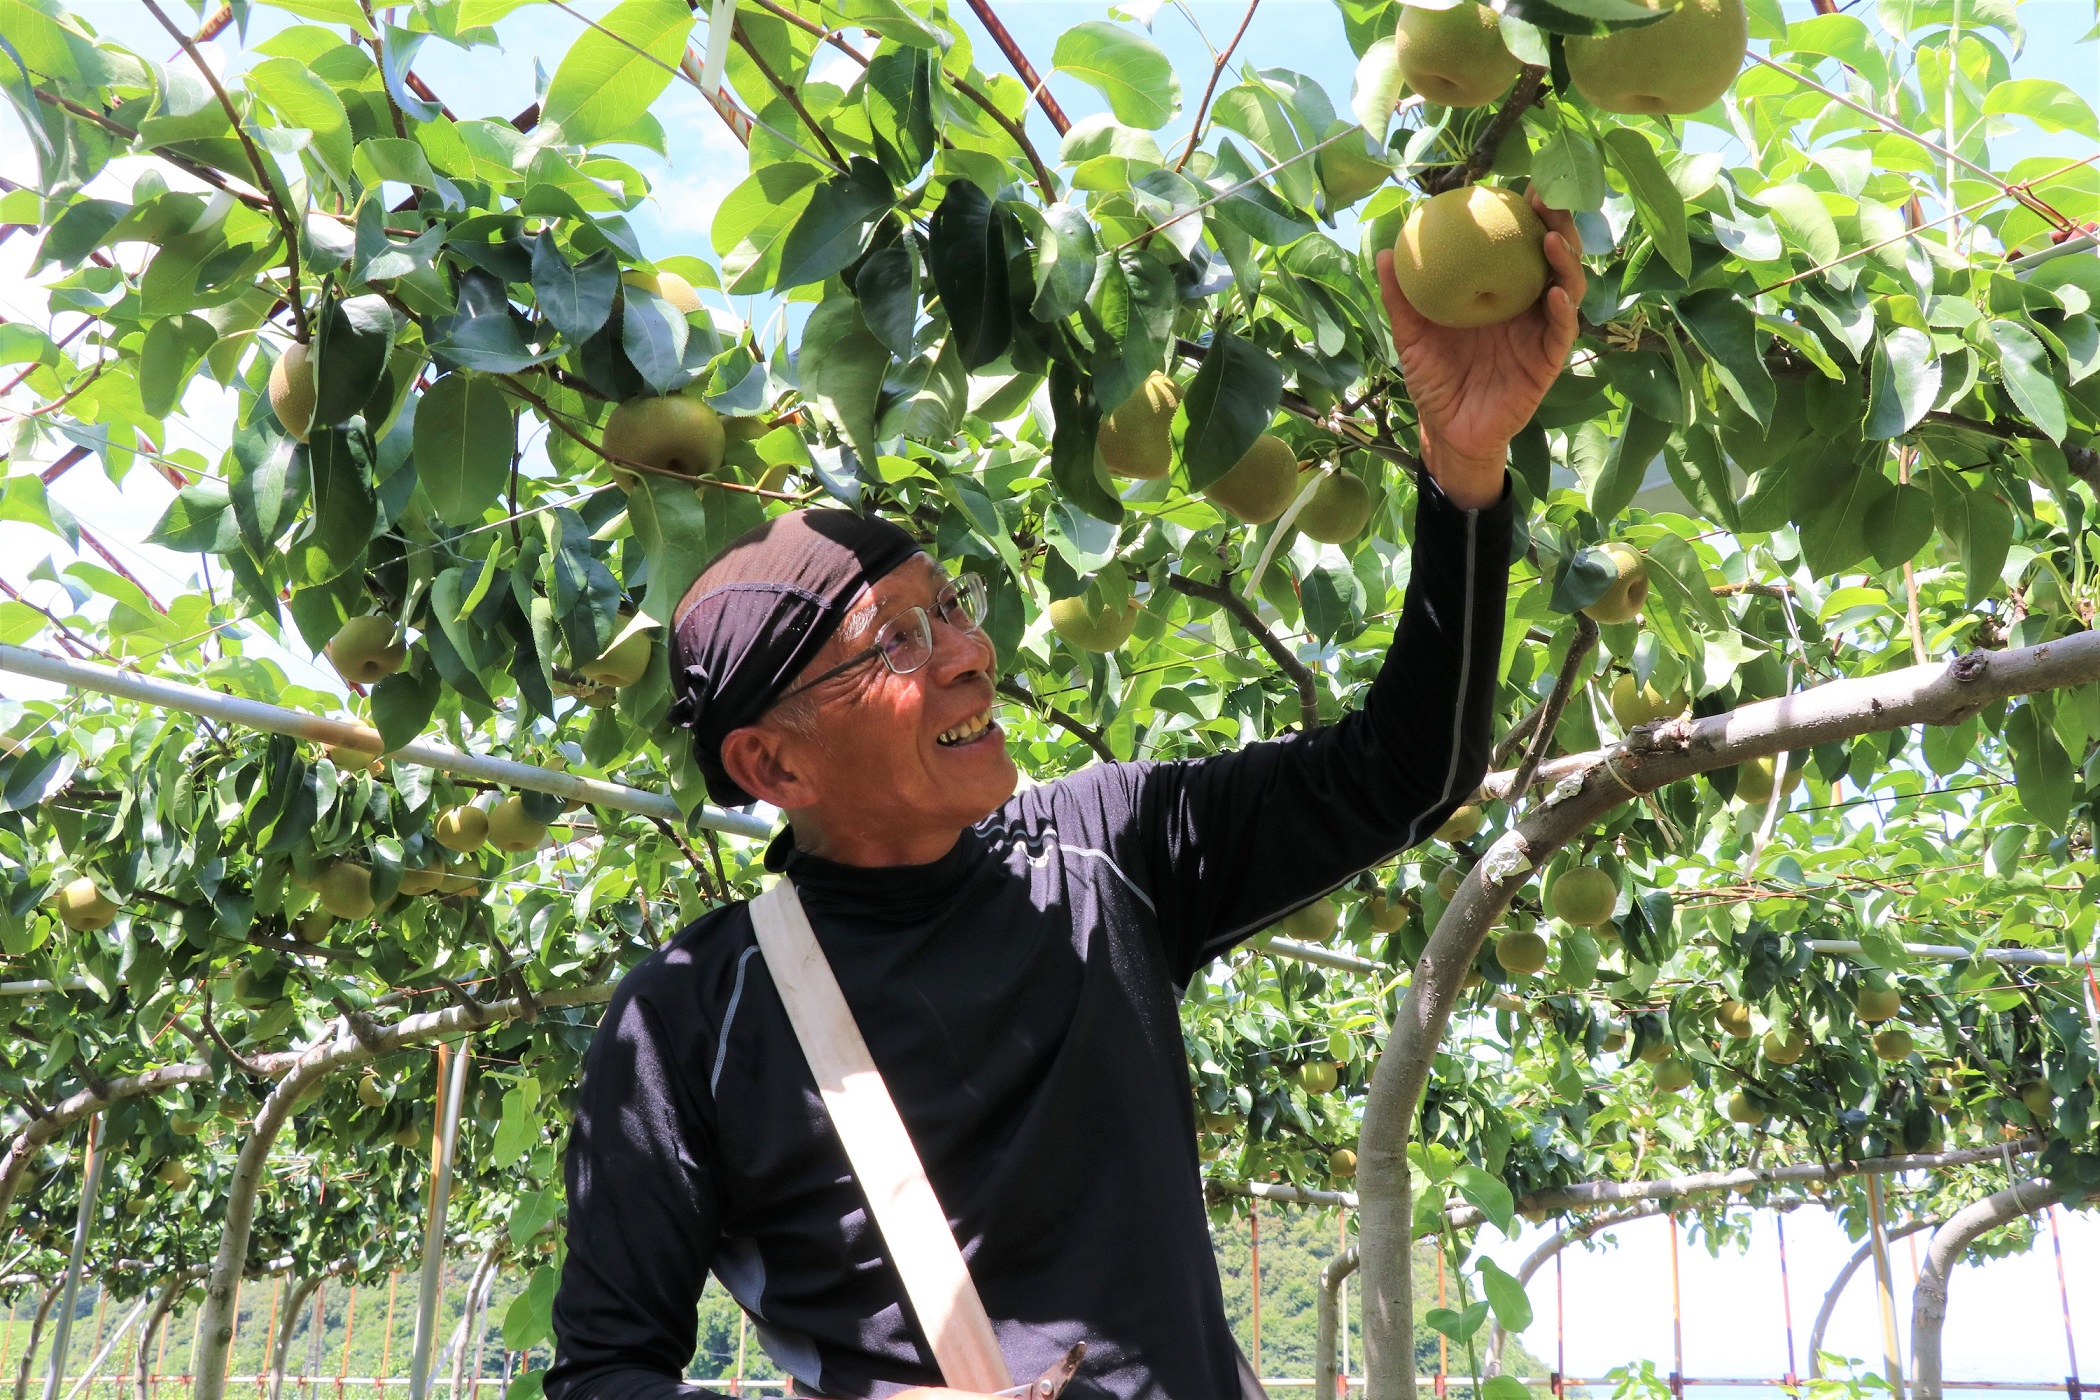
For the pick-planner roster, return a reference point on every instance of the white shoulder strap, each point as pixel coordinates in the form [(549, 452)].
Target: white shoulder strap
[(913, 1225)]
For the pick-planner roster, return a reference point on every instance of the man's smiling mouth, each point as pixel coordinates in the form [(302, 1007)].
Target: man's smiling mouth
[(972, 728)]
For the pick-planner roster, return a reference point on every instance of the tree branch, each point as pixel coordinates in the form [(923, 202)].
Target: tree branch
[(1217, 70), (1528, 89), (766, 71), (990, 20), (1350, 432), (1587, 788), (263, 182), (516, 386), (1301, 676), (1557, 701), (1085, 733)]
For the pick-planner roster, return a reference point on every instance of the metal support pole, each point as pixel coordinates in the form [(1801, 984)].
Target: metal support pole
[(83, 1225), (1254, 1252), (452, 1078), (1676, 1315), (1443, 1343), (94, 1366), (1560, 1330), (2063, 1290), (1341, 1305), (386, 1336), (1885, 1289), (1786, 1299)]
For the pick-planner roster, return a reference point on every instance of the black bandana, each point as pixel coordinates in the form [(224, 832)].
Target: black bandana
[(757, 616)]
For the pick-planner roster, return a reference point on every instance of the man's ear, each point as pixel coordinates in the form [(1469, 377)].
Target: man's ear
[(763, 762)]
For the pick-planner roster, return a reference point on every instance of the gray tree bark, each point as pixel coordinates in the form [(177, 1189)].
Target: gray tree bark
[(1928, 1309), (170, 1294), (1579, 790), (1837, 1290), (36, 1335)]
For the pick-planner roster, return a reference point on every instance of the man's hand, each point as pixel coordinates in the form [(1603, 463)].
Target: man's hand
[(1475, 389), (935, 1392)]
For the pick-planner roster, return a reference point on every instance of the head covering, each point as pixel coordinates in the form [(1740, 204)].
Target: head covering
[(760, 613)]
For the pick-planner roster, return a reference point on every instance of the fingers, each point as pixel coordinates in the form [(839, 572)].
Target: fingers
[(1408, 323), (1560, 221), (1564, 256), (1561, 324)]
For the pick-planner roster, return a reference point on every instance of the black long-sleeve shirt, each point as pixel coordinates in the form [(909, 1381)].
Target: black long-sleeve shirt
[(1020, 998)]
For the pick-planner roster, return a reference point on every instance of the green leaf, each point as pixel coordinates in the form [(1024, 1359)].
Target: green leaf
[(1503, 1388), (1673, 565), (1229, 404), (1802, 218), (519, 1127), (1723, 327), (1378, 87), (23, 498), (834, 224), (900, 106), (1073, 465), (966, 253), (529, 1320), (1978, 524), (2041, 768), (842, 366), (465, 437), (1632, 454), (576, 298), (168, 358), (30, 777), (1898, 525), (345, 506), (1656, 199), (1567, 171), (267, 476), (1488, 1193), (2049, 104), (1131, 71), (1254, 111), (1458, 1326), (1505, 1295), (2025, 364), (613, 73), (1905, 381), (302, 100), (1064, 266), (199, 519), (887, 288), (351, 346)]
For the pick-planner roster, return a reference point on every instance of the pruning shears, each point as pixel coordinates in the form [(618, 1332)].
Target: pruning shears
[(1050, 1384)]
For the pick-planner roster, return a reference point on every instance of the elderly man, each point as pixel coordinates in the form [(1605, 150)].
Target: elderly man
[(1013, 962)]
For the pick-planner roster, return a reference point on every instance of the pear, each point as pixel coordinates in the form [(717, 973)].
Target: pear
[(1090, 626), (407, 1135), (1447, 883), (1622, 601), (1315, 923), (292, 390), (82, 907), (1260, 485), (1679, 65), (421, 880), (1471, 257), (346, 891), (349, 760), (1672, 1075), (1349, 169), (1614, 1041), (1741, 1110), (1463, 824), (1387, 912), (1783, 1046), (668, 285), (1340, 507), (1753, 779), (460, 879), (1656, 1053), (622, 663), (363, 650), (1317, 1077), (1584, 895), (1341, 1163), (1454, 57), (1136, 440), (1892, 1044), (512, 828), (1521, 951), (173, 1175), (1877, 1004), (677, 433), (369, 1091), (1635, 704), (2038, 1098), (462, 829), (1734, 1018)]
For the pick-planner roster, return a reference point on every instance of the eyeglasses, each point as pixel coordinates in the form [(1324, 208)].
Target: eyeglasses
[(905, 642)]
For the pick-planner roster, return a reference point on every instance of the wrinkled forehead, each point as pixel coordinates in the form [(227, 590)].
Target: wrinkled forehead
[(914, 581)]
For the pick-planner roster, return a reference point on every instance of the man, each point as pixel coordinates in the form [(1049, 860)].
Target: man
[(1013, 962)]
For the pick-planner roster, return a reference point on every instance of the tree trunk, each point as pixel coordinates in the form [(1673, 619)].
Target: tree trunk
[(1928, 1314), (36, 1334), (250, 1168), (1580, 790), (477, 1298), (1837, 1290), (170, 1295), (1327, 1363), (281, 1351)]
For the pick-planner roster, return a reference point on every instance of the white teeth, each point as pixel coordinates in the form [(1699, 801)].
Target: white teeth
[(967, 730)]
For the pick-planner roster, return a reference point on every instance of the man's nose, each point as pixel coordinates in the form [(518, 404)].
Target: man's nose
[(959, 652)]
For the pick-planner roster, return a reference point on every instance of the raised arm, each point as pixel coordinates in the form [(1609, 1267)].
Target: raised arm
[(643, 1220), (1235, 841)]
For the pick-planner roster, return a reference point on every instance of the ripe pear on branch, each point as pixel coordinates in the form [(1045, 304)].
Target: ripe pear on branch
[(1340, 507), (1261, 485), (1093, 625), (363, 650), (668, 285), (674, 433), (1628, 592), (82, 907), (1678, 65), (1137, 439), (1522, 952), (1455, 57), (1633, 703), (292, 395), (512, 828), (1584, 895), (624, 662), (1474, 256), (1753, 779), (462, 829)]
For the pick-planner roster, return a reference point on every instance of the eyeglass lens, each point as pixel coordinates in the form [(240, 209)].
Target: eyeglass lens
[(906, 641)]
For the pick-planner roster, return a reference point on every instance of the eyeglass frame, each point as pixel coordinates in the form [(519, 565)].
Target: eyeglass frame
[(944, 602)]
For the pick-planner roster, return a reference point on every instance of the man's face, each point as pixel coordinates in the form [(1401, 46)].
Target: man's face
[(919, 752)]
